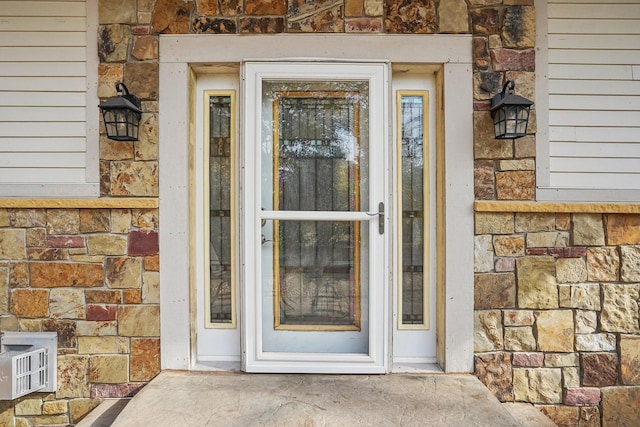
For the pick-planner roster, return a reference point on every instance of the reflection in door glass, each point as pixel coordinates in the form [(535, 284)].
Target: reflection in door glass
[(411, 129), (221, 289)]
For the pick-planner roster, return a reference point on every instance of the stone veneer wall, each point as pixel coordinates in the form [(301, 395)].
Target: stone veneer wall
[(554, 314), (557, 321), (91, 275)]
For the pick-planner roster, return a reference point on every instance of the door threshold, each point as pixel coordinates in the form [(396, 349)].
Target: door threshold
[(416, 368)]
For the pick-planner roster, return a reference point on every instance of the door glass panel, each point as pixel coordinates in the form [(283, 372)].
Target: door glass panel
[(314, 151), (220, 138), (317, 275), (412, 128)]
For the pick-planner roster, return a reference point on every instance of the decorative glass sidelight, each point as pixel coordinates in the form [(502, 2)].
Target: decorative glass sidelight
[(316, 167), (219, 127), (412, 128)]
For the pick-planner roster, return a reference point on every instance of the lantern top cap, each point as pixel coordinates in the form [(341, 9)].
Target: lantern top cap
[(507, 97), (122, 100)]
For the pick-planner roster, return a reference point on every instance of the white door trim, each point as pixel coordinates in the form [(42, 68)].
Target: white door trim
[(181, 56)]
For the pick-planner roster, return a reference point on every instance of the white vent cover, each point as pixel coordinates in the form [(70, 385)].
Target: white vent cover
[(28, 363)]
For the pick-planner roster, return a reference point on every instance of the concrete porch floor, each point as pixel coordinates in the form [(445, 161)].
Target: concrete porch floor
[(238, 399)]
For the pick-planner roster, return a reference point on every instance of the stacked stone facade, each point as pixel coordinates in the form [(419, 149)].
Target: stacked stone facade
[(556, 292)]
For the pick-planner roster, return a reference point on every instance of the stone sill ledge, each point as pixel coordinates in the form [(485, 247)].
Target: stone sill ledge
[(102, 203), (554, 207)]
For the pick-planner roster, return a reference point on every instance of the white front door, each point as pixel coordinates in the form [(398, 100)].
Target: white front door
[(315, 251)]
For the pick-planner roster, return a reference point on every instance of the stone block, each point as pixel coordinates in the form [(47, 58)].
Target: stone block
[(494, 223), (172, 16), (143, 243), (151, 263), (620, 308), (145, 218), (483, 254), (103, 345), (101, 312), (63, 221), (120, 221), (25, 218), (518, 317), (28, 405), (599, 369), (519, 339), (123, 272), (4, 290), (106, 244), (8, 322), (66, 330), (563, 221), (73, 375), (109, 369), (548, 239), (51, 420), (139, 321), (13, 244), (109, 75), (4, 218), (588, 230), (115, 150), (492, 291), (602, 264), (117, 11), (512, 246), (145, 358), (105, 391), (534, 222), (480, 53), (570, 377), (585, 296), (79, 408), (94, 221), (30, 303), (596, 342), (536, 282), (622, 229), (97, 296), (65, 241), (454, 16), (513, 60), (494, 370), (132, 296), (586, 321), (620, 406), (65, 274), (113, 42), (402, 17), (145, 48), (630, 269), (353, 8), (503, 265), (66, 303), (485, 20), (210, 25), (517, 165), (484, 180), (555, 330), (55, 407), (529, 360), (571, 270), (630, 359), (537, 385), (36, 237), (555, 360), (151, 287), (519, 28), (582, 396), (487, 331), (205, 7), (563, 416), (96, 328), (134, 179), (516, 185)]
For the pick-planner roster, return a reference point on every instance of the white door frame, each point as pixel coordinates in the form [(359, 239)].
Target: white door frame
[(255, 358), (182, 56)]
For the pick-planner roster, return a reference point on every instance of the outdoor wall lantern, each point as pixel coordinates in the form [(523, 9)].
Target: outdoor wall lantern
[(510, 113), (121, 115)]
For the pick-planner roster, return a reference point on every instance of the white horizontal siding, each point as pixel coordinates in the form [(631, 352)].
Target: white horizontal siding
[(593, 57), (43, 92)]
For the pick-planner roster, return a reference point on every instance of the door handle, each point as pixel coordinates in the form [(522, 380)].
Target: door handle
[(381, 218), (380, 215)]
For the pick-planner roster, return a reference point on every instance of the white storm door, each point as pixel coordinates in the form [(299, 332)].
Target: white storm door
[(315, 248)]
